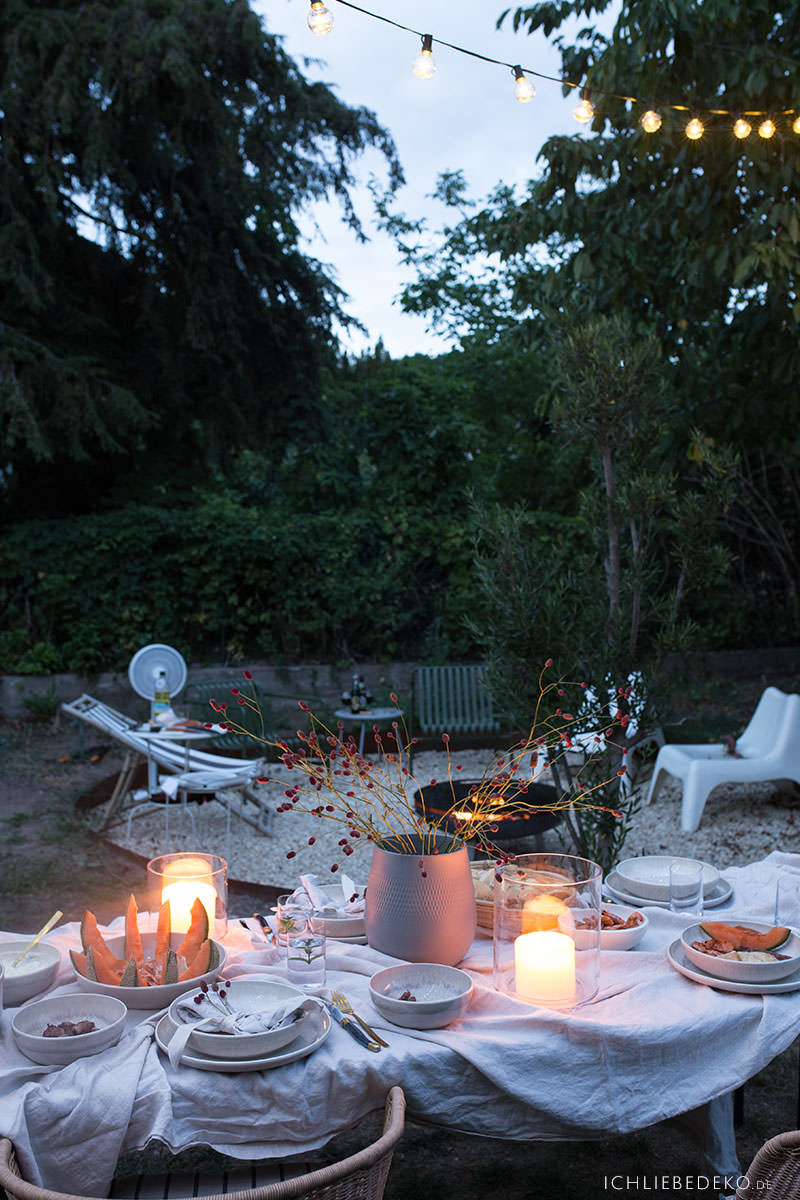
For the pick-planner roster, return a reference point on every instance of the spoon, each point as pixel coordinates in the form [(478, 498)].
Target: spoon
[(45, 929)]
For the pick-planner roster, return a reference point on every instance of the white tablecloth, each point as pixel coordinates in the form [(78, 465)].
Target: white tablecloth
[(652, 1045)]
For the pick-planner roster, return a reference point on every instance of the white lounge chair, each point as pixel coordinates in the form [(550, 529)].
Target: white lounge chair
[(194, 771), (769, 749)]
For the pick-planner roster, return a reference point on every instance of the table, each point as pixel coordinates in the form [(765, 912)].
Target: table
[(369, 716), (653, 1045)]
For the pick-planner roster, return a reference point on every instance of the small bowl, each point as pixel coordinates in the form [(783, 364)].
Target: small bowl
[(613, 939), (442, 994), (339, 927), (742, 972), (29, 1023), (159, 995), (648, 876), (255, 995), (34, 974)]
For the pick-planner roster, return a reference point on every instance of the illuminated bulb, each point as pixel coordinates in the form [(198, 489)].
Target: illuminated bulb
[(584, 111), (796, 125), (695, 129), (319, 19), (766, 129), (524, 89), (741, 128), (651, 121), (424, 65)]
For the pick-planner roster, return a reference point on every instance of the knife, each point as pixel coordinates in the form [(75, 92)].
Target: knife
[(352, 1028)]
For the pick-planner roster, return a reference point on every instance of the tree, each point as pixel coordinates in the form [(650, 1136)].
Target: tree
[(155, 308)]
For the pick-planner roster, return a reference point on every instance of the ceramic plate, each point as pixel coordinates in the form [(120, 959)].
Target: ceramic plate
[(361, 940), (648, 875), (679, 961), (312, 1036), (722, 892)]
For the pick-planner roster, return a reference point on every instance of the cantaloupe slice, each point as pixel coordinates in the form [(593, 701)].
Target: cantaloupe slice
[(204, 960), (743, 938), (92, 937), (196, 934), (130, 976), (133, 939)]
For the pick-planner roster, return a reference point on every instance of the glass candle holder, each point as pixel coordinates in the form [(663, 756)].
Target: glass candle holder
[(184, 878), (547, 929)]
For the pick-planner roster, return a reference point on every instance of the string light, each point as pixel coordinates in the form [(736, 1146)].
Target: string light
[(320, 21), (320, 18), (524, 88), (424, 65), (584, 110), (651, 121)]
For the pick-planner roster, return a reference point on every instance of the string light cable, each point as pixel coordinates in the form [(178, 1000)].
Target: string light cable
[(320, 21)]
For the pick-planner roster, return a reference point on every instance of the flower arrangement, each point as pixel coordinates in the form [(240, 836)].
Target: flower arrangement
[(373, 799)]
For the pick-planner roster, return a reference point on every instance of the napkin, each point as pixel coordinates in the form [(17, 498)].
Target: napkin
[(210, 1017), (327, 905)]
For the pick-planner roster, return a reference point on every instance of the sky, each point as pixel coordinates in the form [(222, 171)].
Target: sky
[(465, 118)]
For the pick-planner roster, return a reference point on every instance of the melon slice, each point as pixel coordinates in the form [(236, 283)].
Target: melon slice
[(130, 976), (133, 939), (204, 960), (92, 937), (196, 934), (743, 938)]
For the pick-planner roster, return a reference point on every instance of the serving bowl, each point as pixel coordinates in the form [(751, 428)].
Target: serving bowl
[(28, 1025), (610, 939), (34, 974), (442, 994), (735, 970), (255, 995), (648, 876), (158, 995)]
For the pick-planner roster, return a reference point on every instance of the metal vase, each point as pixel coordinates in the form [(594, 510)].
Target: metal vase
[(420, 907)]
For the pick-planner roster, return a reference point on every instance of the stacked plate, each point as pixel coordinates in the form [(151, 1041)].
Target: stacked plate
[(645, 881), (344, 927), (762, 972), (309, 1033)]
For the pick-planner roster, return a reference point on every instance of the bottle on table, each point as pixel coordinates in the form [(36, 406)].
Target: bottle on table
[(355, 698), (161, 696), (365, 694)]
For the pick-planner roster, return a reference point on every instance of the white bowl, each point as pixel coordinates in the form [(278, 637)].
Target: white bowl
[(34, 974), (442, 994), (29, 1024), (648, 876), (256, 995), (742, 972), (339, 927), (610, 939), (159, 995)]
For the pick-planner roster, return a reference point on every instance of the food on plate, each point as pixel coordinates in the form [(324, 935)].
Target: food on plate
[(609, 920), (407, 996), (742, 943), (483, 882), (196, 955), (69, 1029)]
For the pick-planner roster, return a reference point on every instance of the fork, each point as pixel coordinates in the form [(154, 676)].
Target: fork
[(340, 1000)]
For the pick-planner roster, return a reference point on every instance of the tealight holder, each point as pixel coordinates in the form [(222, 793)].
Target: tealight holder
[(547, 929), (183, 878)]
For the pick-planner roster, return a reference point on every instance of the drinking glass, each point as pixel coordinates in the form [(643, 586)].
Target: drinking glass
[(787, 901), (305, 958), (293, 915), (686, 888)]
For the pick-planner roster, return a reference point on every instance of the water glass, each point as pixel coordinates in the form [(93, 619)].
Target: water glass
[(305, 959), (292, 915), (686, 888), (787, 901)]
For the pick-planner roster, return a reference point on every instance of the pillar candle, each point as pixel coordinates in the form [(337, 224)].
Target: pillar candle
[(186, 880), (544, 965)]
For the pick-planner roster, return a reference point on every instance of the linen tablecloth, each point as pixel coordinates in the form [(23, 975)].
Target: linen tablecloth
[(652, 1045)]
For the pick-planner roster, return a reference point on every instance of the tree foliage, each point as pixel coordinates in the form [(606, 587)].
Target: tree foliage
[(155, 308)]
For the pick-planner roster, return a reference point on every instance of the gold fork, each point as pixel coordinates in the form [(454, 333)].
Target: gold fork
[(341, 1001)]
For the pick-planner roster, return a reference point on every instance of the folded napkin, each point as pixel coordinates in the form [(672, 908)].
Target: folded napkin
[(209, 1016), (327, 905)]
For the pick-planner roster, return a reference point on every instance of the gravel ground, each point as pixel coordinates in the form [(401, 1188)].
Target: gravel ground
[(740, 824)]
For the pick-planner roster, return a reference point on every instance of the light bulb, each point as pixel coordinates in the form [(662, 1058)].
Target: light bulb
[(583, 111), (741, 128), (319, 19), (651, 121), (424, 65), (796, 125), (695, 129), (524, 88), (766, 129)]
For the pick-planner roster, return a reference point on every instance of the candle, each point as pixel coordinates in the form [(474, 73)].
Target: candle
[(544, 966), (184, 881)]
